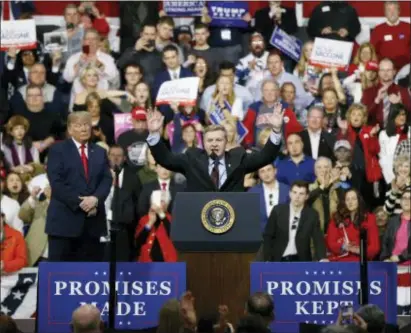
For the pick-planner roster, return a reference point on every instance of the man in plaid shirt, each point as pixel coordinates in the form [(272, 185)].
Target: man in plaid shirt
[(403, 148)]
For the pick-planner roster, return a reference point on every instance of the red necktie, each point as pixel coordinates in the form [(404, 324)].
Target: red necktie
[(6, 10), (84, 159), (164, 186)]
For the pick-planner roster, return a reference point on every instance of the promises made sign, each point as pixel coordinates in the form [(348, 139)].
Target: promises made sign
[(142, 289)]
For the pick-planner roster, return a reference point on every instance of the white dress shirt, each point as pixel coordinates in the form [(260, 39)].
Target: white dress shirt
[(109, 200), (162, 181), (314, 142), (222, 170), (78, 145), (271, 197), (174, 74), (291, 248)]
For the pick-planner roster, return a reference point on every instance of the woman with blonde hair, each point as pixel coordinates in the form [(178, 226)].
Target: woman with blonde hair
[(304, 70), (232, 135), (366, 53)]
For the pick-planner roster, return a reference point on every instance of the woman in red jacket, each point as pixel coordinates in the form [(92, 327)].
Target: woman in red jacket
[(153, 232), (367, 172), (343, 235)]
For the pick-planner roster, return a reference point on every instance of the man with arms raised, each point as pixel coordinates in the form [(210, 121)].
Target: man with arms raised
[(80, 181), (214, 169)]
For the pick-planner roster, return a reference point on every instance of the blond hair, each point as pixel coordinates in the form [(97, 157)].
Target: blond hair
[(78, 116), (357, 106), (357, 58), (87, 70), (231, 96), (400, 160), (215, 128)]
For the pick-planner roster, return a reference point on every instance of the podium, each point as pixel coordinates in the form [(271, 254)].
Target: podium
[(217, 234)]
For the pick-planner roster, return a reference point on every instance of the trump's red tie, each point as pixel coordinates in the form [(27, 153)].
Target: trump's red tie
[(84, 159), (6, 10)]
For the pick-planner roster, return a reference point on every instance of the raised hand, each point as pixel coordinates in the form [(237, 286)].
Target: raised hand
[(277, 118), (155, 121)]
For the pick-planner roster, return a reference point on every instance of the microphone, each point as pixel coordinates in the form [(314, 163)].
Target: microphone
[(117, 169), (213, 156)]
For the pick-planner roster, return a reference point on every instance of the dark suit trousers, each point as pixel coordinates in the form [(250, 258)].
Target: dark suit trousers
[(84, 248)]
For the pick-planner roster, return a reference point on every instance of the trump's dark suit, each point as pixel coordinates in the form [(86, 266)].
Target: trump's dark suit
[(193, 164), (276, 234), (73, 236)]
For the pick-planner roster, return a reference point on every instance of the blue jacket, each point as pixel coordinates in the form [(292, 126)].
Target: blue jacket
[(68, 182), (283, 198)]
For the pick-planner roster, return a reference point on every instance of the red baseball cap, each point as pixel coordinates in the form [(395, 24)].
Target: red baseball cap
[(371, 66), (139, 113)]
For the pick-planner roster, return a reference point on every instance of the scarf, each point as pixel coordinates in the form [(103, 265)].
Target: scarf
[(401, 131), (15, 156)]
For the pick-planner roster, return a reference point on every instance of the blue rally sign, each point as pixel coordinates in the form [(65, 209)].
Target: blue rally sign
[(142, 289), (314, 292), (183, 8)]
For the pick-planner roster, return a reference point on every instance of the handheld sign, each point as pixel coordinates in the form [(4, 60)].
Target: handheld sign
[(183, 91), (20, 34), (329, 53), (122, 123), (287, 44), (228, 14), (142, 289), (183, 8), (312, 292)]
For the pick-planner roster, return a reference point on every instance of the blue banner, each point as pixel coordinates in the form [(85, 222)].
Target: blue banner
[(314, 292), (287, 44), (142, 289), (183, 8), (228, 13)]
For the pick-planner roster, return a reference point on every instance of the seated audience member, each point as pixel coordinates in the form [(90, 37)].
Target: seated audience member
[(152, 235), (250, 69), (395, 247), (323, 195), (13, 251), (52, 96), (272, 16), (271, 192), (275, 68), (344, 231), (365, 148), (378, 99), (33, 212), (270, 100), (392, 39), (317, 142), (15, 188), (133, 141), (401, 181), (261, 304), (19, 151), (334, 20), (87, 319), (282, 242), (296, 166), (397, 130), (10, 208), (91, 55), (164, 182), (45, 125), (227, 69)]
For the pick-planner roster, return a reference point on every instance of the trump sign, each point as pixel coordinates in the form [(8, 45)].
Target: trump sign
[(314, 292), (141, 289)]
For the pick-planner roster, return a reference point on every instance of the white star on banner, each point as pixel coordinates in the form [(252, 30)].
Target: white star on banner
[(4, 310), (104, 273), (315, 273), (331, 321), (339, 273), (324, 273), (129, 273), (129, 323), (307, 273), (17, 295), (315, 322), (323, 322), (307, 322), (121, 323), (96, 273), (331, 272), (121, 273)]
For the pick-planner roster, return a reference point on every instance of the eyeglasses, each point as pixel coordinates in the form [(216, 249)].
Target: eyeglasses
[(294, 225)]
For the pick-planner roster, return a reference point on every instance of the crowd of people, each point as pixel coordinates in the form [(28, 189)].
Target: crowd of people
[(327, 149)]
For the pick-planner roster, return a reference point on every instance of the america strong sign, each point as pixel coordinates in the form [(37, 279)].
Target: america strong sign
[(142, 290), (314, 292)]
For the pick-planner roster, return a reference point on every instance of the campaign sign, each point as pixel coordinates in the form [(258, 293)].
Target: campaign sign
[(330, 52), (142, 289), (287, 44), (183, 8), (217, 116), (228, 13), (122, 123), (20, 34), (313, 292), (182, 91)]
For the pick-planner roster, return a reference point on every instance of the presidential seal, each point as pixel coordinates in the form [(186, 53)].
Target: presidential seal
[(217, 216)]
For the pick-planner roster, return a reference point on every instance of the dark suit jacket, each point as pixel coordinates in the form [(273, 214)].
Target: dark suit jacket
[(68, 182), (276, 234), (148, 188), (326, 148), (193, 164), (283, 194), (265, 25), (129, 194)]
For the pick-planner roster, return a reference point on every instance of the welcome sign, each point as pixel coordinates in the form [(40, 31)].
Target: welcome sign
[(142, 289), (314, 292)]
